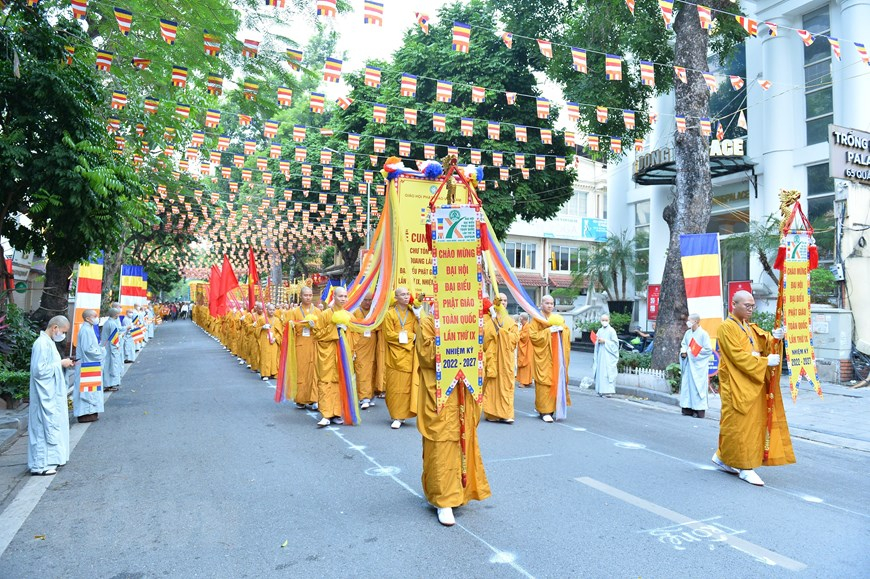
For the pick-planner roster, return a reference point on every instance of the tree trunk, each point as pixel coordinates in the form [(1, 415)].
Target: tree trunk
[(55, 295), (112, 262), (689, 212)]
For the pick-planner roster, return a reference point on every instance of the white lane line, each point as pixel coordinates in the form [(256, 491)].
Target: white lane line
[(498, 556), (14, 516), (492, 460), (751, 549), (622, 443)]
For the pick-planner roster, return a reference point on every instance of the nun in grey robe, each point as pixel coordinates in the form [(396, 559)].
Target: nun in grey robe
[(48, 424), (88, 350)]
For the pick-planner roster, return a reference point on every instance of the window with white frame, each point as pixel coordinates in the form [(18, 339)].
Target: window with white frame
[(520, 255), (818, 95), (564, 258)]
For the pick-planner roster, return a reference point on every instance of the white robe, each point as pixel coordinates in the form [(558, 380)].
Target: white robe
[(605, 357), (693, 389), (48, 424), (88, 350), (113, 364)]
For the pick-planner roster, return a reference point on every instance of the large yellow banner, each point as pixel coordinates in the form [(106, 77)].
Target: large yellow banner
[(456, 268), (796, 311), (413, 265)]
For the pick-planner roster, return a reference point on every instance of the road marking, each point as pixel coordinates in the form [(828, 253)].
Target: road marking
[(755, 551), (492, 460)]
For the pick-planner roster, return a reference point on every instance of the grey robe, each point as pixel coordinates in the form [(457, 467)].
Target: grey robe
[(605, 358), (48, 424), (127, 339), (693, 389), (114, 361), (150, 327), (88, 350)]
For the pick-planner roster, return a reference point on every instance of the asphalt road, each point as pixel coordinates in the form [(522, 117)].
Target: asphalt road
[(194, 471)]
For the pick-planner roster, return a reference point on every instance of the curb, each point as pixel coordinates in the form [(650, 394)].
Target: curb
[(653, 395)]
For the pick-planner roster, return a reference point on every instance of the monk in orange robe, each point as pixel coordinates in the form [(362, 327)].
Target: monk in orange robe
[(269, 342), (442, 453), (368, 361), (400, 330), (499, 347), (749, 358), (524, 353), (539, 334), (303, 318), (326, 360)]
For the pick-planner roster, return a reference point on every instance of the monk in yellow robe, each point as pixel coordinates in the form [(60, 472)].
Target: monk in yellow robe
[(499, 351), (749, 358), (306, 379), (368, 361), (400, 330), (524, 353), (539, 334), (258, 320), (442, 453), (269, 342), (326, 360)]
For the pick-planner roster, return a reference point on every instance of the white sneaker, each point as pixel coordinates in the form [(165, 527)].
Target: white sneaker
[(323, 422), (445, 517), (751, 477), (265, 379), (509, 421), (396, 424), (722, 466), (547, 418), (364, 404), (241, 362), (338, 420)]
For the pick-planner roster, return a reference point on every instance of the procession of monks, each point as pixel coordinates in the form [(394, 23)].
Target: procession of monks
[(396, 361)]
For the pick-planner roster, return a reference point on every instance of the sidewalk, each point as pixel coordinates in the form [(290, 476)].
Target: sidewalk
[(838, 419)]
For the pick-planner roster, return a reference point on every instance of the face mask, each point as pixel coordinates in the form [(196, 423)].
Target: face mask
[(59, 337), (689, 325), (605, 324)]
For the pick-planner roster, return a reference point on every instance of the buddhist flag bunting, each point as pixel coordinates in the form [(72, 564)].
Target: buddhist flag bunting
[(409, 85), (182, 110), (593, 142), (497, 158), (601, 114), (504, 174), (806, 36), (119, 99), (294, 57), (197, 138), (466, 127), (616, 145), (540, 162), (570, 139), (667, 9), (373, 13), (699, 255), (250, 48), (478, 94), (681, 123), (706, 17), (862, 52), (741, 121), (765, 84), (125, 20), (461, 37), (647, 73), (79, 8), (711, 81), (429, 151), (748, 24), (546, 48), (332, 70), (543, 107), (404, 148), (681, 74), (423, 21), (285, 96), (628, 119), (104, 60), (326, 8), (772, 28), (300, 154), (344, 103), (835, 46), (215, 84), (352, 142), (179, 76), (379, 113), (379, 144), (736, 82), (439, 122), (493, 130), (151, 105), (317, 103), (519, 160), (140, 63), (578, 58), (547, 136), (630, 4), (508, 39), (211, 43), (373, 77), (476, 156), (410, 116), (251, 89), (275, 3), (244, 120), (638, 145), (573, 111), (511, 98), (70, 52), (444, 91), (720, 131), (168, 30), (706, 128), (270, 129), (613, 67), (521, 133)]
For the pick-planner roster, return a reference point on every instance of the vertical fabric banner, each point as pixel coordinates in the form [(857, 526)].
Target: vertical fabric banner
[(796, 313), (702, 272), (458, 285), (89, 291), (129, 288)]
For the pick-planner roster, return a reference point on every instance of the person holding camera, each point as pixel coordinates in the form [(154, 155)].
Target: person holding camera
[(749, 360)]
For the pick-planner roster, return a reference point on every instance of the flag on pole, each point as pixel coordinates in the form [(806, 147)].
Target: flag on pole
[(699, 255), (89, 290)]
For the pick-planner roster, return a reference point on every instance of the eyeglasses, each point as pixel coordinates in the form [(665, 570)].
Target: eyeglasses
[(749, 306)]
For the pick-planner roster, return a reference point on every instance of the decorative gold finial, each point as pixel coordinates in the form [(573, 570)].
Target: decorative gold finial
[(787, 198)]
